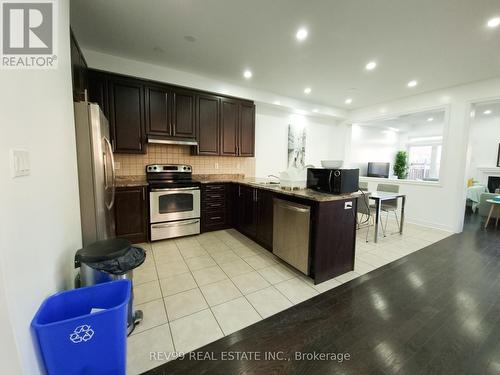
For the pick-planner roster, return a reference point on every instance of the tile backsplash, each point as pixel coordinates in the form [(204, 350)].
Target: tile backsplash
[(134, 165)]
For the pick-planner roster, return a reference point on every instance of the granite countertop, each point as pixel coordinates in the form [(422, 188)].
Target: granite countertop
[(263, 183), (130, 181)]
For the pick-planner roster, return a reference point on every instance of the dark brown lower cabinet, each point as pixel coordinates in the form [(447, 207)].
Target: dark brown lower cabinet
[(215, 207), (253, 214), (131, 213), (333, 239), (265, 218)]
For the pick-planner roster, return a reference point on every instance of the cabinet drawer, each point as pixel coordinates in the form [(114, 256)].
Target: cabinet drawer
[(212, 206), (214, 218), (211, 197), (215, 188)]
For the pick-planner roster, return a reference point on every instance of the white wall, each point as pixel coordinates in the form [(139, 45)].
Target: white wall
[(324, 139), (439, 205), (483, 143), (40, 215), (372, 144)]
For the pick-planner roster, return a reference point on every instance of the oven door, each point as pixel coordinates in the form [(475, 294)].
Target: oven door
[(174, 204)]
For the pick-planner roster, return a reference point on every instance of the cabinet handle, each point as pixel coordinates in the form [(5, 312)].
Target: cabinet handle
[(143, 194), (239, 190), (215, 217)]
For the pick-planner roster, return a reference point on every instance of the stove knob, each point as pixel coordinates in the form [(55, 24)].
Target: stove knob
[(155, 168), (184, 168)]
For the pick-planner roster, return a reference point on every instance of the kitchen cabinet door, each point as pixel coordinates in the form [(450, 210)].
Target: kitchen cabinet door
[(98, 90), (183, 114), (157, 111), (78, 70), (126, 115), (208, 125), (264, 228), (248, 216), (247, 130), (229, 127), (131, 214)]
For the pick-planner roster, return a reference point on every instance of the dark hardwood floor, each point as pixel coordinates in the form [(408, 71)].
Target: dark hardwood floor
[(436, 311)]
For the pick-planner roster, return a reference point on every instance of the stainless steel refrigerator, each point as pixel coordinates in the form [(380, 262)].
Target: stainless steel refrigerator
[(96, 173)]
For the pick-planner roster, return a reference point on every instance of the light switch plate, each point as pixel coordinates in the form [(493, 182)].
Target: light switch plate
[(347, 205), (20, 163)]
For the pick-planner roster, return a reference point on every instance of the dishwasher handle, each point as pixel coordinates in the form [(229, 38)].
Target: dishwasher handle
[(292, 208)]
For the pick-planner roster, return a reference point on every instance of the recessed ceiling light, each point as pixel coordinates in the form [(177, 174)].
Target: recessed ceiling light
[(430, 119), (307, 90), (394, 129), (487, 112), (247, 74), (301, 34), (371, 65), (494, 22), (315, 110), (277, 102), (412, 83), (348, 101)]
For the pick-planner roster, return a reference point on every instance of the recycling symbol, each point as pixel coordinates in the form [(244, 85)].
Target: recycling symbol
[(81, 334)]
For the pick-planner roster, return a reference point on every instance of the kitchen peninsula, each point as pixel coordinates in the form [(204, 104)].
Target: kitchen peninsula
[(246, 204)]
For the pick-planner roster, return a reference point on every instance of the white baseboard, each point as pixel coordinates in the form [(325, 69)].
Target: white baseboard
[(429, 224)]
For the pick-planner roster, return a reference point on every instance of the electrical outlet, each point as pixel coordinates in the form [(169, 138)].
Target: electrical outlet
[(216, 165), (348, 206), (20, 163), (117, 165)]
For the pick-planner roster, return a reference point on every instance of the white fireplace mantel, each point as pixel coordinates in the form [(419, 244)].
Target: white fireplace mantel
[(492, 171), (486, 172)]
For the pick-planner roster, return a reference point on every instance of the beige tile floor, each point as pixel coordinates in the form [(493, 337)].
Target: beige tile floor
[(195, 290)]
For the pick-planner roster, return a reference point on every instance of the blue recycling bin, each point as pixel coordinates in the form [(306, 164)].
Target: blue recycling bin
[(84, 331)]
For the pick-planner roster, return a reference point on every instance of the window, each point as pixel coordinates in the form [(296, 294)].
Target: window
[(424, 162)]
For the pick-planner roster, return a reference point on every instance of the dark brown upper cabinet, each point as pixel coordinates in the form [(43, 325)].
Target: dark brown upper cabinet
[(139, 109), (207, 125), (158, 106), (229, 127), (183, 113), (98, 90), (247, 130), (78, 70), (126, 115)]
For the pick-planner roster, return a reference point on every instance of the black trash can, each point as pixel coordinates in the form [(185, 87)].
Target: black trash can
[(108, 260)]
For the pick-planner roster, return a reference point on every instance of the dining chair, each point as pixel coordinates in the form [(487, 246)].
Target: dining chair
[(364, 208), (389, 205)]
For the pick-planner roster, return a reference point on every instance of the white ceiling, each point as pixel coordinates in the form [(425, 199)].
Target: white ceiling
[(440, 43)]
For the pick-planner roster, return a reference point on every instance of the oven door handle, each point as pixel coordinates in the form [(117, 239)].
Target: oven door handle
[(176, 189), (176, 224)]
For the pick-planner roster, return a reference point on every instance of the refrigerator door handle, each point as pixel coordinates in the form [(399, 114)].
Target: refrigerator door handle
[(113, 174)]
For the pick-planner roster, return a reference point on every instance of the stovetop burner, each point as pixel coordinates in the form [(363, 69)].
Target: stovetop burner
[(164, 176)]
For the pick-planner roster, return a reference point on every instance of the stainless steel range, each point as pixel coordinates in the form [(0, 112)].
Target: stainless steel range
[(174, 201)]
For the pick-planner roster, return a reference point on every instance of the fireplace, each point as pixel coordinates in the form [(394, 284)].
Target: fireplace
[(493, 183)]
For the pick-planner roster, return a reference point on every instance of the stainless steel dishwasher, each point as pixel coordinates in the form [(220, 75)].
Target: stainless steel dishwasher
[(291, 225)]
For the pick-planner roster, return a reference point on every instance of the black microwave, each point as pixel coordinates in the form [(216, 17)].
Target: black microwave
[(334, 181)]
